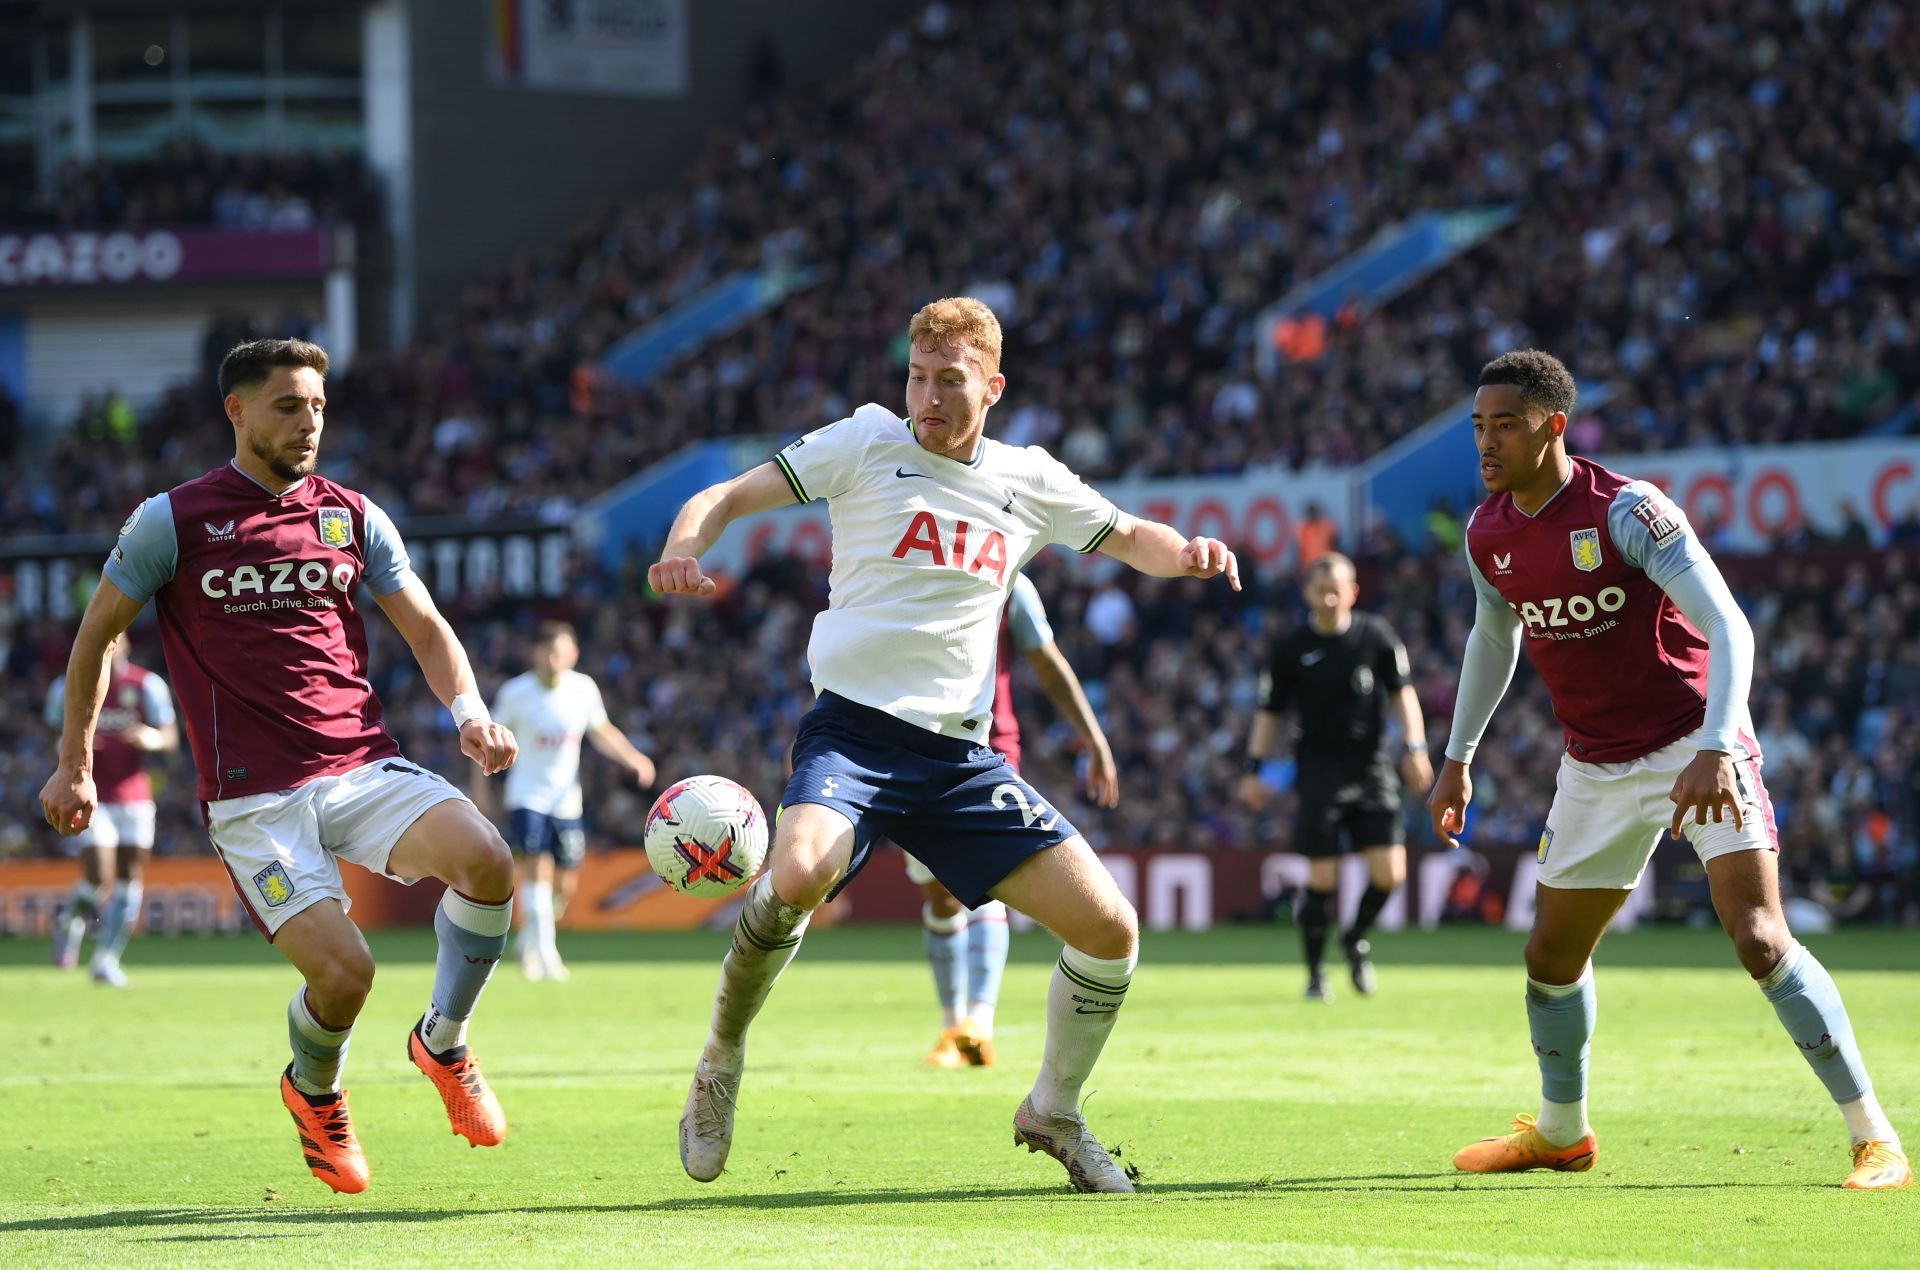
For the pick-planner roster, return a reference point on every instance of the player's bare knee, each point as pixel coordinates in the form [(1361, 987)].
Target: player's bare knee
[(486, 872), (804, 878), (1551, 963), (341, 986), (1114, 936), (1760, 940)]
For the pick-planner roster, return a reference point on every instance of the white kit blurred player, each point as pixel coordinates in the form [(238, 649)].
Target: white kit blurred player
[(136, 720), (552, 708)]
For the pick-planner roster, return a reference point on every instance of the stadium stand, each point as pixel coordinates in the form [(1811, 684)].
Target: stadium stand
[(1702, 239), (1705, 243)]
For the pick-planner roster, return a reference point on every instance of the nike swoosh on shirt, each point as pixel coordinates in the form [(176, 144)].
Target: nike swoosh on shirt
[(1308, 659), (903, 472)]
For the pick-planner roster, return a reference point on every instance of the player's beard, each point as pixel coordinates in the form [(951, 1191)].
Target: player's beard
[(279, 464)]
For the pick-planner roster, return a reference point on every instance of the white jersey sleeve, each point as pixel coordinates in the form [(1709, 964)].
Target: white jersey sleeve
[(1078, 516), (826, 462)]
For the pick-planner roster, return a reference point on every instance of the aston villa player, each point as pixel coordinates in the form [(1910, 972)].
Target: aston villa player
[(256, 570), (1647, 658)]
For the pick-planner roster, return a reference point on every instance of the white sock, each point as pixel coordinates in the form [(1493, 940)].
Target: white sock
[(1563, 1123), (541, 895), (980, 1014), (440, 1032), (1867, 1123), (1082, 1002)]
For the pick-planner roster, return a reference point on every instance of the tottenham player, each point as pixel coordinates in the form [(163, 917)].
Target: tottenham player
[(968, 950), (550, 710), (136, 719), (1647, 658), (931, 522), (1347, 671), (255, 570)]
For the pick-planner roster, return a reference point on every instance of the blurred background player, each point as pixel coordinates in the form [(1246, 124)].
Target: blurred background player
[(1347, 672), (549, 709), (968, 951), (136, 719), (1647, 658), (255, 570)]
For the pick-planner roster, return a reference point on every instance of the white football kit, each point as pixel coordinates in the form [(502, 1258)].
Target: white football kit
[(925, 551), (549, 723)]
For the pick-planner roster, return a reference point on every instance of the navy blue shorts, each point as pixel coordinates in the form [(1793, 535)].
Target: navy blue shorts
[(956, 806), (536, 833)]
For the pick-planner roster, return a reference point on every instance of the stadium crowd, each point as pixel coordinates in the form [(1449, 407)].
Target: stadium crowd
[(189, 184), (1729, 242), (1171, 670)]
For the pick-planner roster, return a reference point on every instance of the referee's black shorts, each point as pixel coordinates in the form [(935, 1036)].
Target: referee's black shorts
[(1346, 807)]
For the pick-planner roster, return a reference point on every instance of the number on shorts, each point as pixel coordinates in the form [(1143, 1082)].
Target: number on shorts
[(1004, 795)]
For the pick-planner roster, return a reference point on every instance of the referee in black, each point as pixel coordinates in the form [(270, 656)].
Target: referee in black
[(1347, 673)]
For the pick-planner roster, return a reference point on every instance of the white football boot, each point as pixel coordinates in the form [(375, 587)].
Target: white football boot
[(1067, 1139), (706, 1126)]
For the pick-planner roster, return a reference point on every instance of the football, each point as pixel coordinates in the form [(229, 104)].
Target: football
[(706, 836)]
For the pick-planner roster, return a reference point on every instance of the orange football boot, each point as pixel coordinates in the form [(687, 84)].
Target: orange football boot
[(946, 1050), (472, 1109), (1878, 1166), (974, 1045), (1524, 1149), (326, 1137)]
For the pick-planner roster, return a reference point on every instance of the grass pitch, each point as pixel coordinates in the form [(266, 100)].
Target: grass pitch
[(146, 1126)]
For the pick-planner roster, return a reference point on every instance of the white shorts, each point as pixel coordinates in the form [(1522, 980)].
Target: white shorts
[(1608, 817), (116, 825), (283, 849)]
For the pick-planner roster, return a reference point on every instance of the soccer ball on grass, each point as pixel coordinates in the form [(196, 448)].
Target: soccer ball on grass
[(706, 836)]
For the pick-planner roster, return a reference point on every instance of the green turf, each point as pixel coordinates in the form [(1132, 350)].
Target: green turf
[(145, 1127)]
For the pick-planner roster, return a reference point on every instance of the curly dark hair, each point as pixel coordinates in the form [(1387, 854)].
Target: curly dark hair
[(1542, 379)]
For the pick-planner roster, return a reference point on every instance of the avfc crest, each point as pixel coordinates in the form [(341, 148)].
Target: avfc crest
[(275, 887), (1586, 549), (336, 527)]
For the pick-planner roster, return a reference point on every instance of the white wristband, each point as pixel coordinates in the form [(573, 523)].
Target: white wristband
[(467, 707)]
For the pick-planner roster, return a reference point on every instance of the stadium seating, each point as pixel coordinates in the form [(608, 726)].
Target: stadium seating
[(1708, 245)]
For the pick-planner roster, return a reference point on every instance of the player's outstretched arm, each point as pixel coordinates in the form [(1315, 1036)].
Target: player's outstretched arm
[(1063, 688), (613, 743), (1161, 551), (68, 798), (449, 674), (704, 518)]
